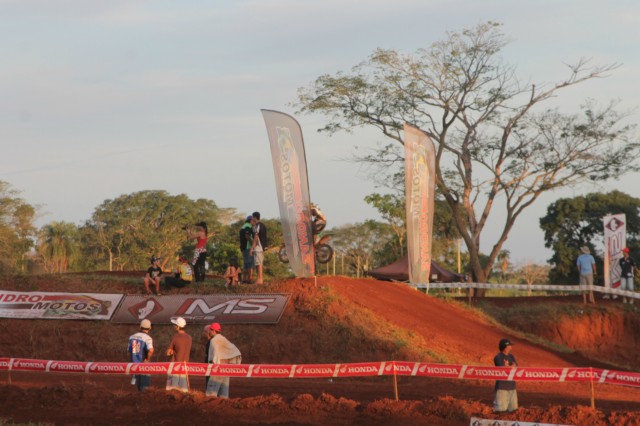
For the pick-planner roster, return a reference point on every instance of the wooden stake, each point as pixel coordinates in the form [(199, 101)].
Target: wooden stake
[(593, 394), (395, 382)]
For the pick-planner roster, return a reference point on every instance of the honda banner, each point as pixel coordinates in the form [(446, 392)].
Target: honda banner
[(420, 169), (43, 305), (292, 187), (225, 309), (615, 239)]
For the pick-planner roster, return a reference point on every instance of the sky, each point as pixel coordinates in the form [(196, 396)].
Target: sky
[(104, 98)]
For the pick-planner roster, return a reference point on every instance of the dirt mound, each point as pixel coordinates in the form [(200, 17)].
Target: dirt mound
[(328, 320)]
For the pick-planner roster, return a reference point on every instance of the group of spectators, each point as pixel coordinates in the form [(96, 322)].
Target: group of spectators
[(586, 265), (218, 350), (253, 242)]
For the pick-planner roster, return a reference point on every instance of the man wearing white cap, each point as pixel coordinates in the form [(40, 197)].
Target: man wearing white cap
[(140, 350), (179, 351), (221, 351)]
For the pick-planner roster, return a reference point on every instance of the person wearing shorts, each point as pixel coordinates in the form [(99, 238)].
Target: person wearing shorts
[(587, 269), (259, 245), (506, 396), (627, 266)]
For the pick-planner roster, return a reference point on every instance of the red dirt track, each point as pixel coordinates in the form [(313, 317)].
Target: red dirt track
[(438, 330)]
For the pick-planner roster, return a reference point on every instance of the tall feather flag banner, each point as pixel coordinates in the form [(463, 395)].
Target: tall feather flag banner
[(615, 239), (292, 186), (420, 169)]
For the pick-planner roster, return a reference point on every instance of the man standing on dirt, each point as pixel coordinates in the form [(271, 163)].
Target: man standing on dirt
[(140, 350), (259, 245), (506, 396), (221, 351), (179, 351), (587, 270)]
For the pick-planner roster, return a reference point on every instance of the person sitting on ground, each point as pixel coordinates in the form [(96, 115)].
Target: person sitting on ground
[(153, 275), (232, 274), (183, 276)]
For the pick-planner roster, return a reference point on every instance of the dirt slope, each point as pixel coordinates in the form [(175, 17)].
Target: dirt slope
[(331, 320)]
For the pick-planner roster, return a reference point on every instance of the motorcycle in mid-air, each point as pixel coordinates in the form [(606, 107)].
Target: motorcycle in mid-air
[(323, 251)]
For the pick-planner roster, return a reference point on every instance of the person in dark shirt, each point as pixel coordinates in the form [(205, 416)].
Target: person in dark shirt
[(506, 396), (627, 265), (153, 275)]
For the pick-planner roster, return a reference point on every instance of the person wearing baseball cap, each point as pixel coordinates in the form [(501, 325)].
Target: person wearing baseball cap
[(627, 265), (506, 396), (221, 351), (153, 275), (179, 351), (140, 350)]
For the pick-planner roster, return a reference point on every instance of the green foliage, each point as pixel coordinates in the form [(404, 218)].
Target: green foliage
[(17, 230), (123, 233), (58, 246), (571, 223), (494, 145)]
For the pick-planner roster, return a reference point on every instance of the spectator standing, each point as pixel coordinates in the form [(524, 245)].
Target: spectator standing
[(587, 269), (205, 339), (153, 275), (183, 276), (140, 350), (246, 241), (201, 235), (259, 245), (221, 351), (506, 396), (179, 351), (627, 266)]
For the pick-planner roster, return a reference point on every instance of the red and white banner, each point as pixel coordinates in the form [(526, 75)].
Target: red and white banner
[(306, 371), (615, 239), (292, 187), (419, 172), (43, 305), (201, 309)]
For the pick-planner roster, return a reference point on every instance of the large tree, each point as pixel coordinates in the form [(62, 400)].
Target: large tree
[(16, 229), (495, 145), (126, 231), (571, 223)]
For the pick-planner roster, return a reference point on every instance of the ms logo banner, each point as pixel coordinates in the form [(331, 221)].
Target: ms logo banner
[(225, 309)]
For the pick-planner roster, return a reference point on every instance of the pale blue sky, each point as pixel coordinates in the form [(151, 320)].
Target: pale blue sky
[(104, 98)]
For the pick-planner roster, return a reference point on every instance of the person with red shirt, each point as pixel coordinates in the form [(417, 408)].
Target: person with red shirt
[(200, 233)]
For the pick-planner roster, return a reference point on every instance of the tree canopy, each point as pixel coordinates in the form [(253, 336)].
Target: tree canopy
[(17, 229), (571, 223), (495, 145)]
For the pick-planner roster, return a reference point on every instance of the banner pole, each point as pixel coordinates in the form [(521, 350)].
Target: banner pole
[(395, 382), (186, 370), (593, 396)]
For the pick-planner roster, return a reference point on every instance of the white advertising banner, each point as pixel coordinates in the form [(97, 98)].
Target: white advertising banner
[(201, 309), (420, 174), (615, 239), (43, 305)]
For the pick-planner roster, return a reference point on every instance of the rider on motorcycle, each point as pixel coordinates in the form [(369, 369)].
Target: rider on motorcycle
[(318, 219)]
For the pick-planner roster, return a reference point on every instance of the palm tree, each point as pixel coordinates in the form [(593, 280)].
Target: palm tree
[(58, 246)]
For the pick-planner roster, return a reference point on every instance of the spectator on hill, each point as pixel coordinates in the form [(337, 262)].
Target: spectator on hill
[(179, 351), (506, 396), (140, 350), (587, 270), (205, 339), (259, 245), (183, 276), (153, 275), (232, 273), (200, 233), (246, 241), (221, 351), (627, 266)]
